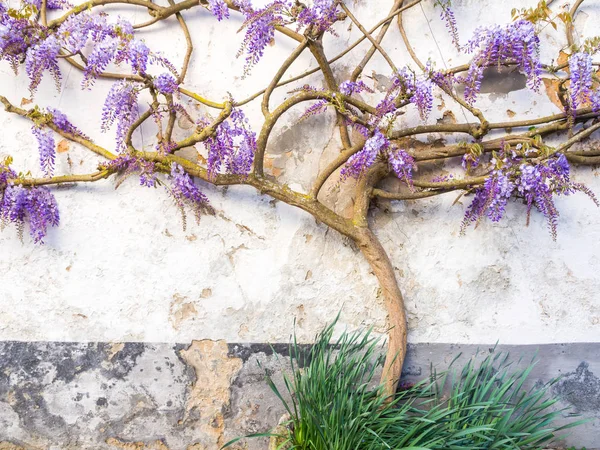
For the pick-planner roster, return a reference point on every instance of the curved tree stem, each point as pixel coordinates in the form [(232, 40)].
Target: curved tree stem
[(382, 267)]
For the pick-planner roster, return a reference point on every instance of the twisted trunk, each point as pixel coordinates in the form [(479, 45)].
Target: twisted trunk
[(396, 317)]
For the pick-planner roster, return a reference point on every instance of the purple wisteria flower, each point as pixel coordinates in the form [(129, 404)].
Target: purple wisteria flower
[(358, 163), (232, 147), (50, 4), (515, 43), (166, 83), (595, 100), (23, 39), (535, 184), (469, 161), (120, 106), (46, 148), (184, 191), (18, 33), (423, 97), (184, 188), (127, 165), (401, 163), (580, 67), (490, 200), (6, 173), (350, 87), (35, 206), (321, 15), (40, 58), (62, 122), (219, 9), (260, 29), (406, 87), (447, 16)]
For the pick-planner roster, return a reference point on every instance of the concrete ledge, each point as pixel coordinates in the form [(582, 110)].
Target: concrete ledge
[(64, 395)]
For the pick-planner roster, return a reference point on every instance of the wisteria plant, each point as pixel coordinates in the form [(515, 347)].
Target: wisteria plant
[(529, 160)]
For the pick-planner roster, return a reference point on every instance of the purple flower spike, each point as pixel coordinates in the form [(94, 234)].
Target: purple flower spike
[(120, 106), (359, 163), (35, 206), (232, 147), (219, 9), (166, 83), (517, 42), (448, 16), (580, 66), (60, 120), (402, 164), (46, 148)]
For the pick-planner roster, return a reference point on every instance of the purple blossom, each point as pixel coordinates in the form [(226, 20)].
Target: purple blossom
[(120, 106), (536, 184), (517, 43), (219, 9), (42, 57), (183, 187), (260, 29), (50, 4), (349, 87), (402, 163), (60, 120), (46, 148), (580, 67), (100, 57), (490, 200), (321, 15), (232, 147), (595, 100), (166, 83), (358, 163), (320, 106), (6, 173), (35, 206), (127, 165), (423, 97), (139, 55), (184, 191), (447, 16), (469, 161)]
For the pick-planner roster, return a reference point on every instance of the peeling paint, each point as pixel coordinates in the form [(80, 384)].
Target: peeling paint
[(209, 396)]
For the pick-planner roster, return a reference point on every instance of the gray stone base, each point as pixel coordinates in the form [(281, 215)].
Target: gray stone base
[(197, 397)]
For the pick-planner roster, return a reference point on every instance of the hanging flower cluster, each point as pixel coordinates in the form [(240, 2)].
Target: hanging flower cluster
[(536, 184), (184, 191), (232, 147), (219, 9), (166, 83), (378, 146), (516, 43), (260, 23), (407, 86), (127, 165), (33, 206), (120, 106), (581, 86), (447, 15)]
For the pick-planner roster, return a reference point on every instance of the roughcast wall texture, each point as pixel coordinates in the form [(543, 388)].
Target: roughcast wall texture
[(120, 332)]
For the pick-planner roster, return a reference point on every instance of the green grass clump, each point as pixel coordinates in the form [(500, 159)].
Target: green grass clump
[(334, 404)]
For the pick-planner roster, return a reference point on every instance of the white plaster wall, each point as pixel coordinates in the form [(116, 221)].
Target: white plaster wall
[(120, 268)]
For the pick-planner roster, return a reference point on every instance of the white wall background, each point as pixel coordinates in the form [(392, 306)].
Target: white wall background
[(120, 268)]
